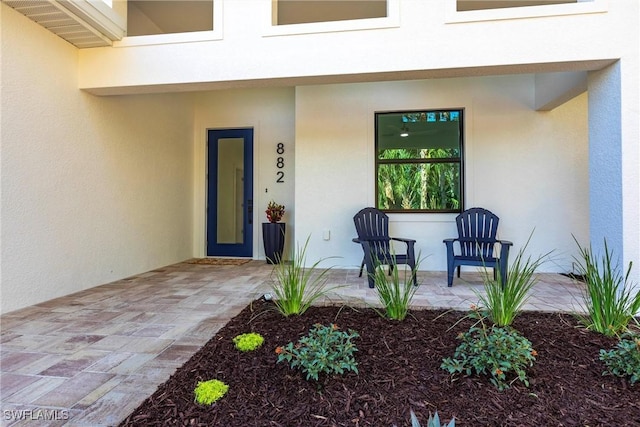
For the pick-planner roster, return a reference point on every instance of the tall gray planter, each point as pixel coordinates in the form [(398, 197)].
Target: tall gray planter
[(273, 238)]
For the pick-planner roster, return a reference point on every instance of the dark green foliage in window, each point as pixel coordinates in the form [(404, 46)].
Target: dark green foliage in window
[(419, 161)]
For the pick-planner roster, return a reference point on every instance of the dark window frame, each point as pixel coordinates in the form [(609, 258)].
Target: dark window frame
[(449, 160)]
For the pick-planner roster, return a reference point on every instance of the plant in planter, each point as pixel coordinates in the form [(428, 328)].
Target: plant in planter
[(274, 212), (273, 233)]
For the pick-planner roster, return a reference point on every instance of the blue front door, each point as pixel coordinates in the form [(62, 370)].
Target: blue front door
[(230, 192)]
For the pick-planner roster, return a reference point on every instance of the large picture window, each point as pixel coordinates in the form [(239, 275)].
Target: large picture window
[(419, 161)]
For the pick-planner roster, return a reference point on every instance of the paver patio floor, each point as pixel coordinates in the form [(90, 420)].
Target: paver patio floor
[(90, 358)]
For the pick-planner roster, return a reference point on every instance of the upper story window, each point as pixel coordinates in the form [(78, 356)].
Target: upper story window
[(419, 161), (153, 17), (463, 5), (287, 12), (463, 11)]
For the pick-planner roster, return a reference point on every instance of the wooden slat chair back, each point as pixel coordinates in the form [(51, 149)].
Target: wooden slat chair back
[(372, 227), (477, 231)]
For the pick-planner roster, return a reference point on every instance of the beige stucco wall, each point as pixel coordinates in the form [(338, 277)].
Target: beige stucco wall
[(529, 167), (93, 189)]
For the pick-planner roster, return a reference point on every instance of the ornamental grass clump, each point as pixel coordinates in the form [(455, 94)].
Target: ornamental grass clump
[(499, 352), (609, 300), (248, 342), (295, 286), (325, 349), (503, 302), (394, 294), (208, 392), (624, 360)]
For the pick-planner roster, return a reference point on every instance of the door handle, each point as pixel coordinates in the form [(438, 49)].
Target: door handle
[(250, 211)]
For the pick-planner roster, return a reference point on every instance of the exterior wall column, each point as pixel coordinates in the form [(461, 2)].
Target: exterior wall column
[(614, 195), (605, 159)]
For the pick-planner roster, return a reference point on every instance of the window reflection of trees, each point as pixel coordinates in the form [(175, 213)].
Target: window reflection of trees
[(419, 177)]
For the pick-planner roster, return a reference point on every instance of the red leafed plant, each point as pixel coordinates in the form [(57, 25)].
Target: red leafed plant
[(274, 211)]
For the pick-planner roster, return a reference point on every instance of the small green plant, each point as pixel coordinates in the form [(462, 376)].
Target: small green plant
[(325, 349), (208, 392), (499, 352), (503, 301), (248, 342), (624, 360), (296, 287), (609, 300), (433, 421), (394, 294)]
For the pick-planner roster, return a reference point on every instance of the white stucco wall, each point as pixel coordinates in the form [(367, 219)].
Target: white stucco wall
[(270, 113), (529, 167), (93, 189), (420, 39)]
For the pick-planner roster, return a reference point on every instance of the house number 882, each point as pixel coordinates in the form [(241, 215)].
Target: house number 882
[(280, 162)]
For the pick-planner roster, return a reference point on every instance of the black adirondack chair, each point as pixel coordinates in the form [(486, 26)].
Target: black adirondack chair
[(372, 227), (477, 228)]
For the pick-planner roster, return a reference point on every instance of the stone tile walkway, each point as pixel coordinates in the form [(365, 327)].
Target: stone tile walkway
[(90, 358)]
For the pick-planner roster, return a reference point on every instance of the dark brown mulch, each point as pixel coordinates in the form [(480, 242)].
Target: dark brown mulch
[(399, 370)]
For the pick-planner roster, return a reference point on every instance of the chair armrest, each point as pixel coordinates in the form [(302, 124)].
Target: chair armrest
[(449, 240), (356, 240), (505, 242), (400, 239)]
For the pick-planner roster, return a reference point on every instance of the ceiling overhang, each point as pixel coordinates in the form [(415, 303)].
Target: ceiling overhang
[(82, 23)]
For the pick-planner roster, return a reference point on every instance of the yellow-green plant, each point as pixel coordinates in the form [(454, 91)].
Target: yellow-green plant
[(502, 302), (395, 294), (248, 342), (324, 349), (295, 286), (208, 392), (609, 300)]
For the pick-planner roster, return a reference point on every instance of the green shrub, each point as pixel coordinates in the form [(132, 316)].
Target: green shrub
[(624, 360), (394, 294), (324, 349), (296, 287), (208, 392), (503, 301), (609, 300), (499, 352), (248, 342)]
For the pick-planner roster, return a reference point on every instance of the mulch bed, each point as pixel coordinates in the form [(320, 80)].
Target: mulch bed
[(399, 370)]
